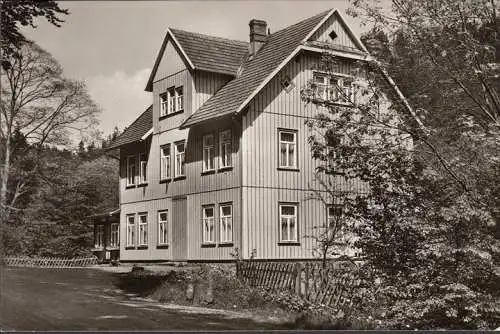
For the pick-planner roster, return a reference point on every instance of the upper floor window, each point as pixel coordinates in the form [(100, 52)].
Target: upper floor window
[(165, 162), (114, 240), (288, 148), (172, 101), (333, 215), (225, 149), (131, 230), (337, 89), (226, 223), (99, 236), (208, 223), (288, 222), (179, 158), (163, 227), (143, 229), (131, 166), (208, 152), (143, 168)]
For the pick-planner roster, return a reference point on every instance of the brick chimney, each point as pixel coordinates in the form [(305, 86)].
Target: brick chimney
[(258, 35)]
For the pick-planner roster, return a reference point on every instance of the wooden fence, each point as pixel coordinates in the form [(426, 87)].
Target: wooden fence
[(49, 262), (331, 286)]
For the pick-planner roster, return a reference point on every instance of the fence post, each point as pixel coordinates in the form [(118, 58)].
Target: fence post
[(298, 275)]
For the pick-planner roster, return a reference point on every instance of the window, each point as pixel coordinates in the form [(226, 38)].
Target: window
[(287, 84), (334, 88), (99, 236), (131, 170), (208, 224), (143, 168), (165, 162), (143, 229), (179, 159), (288, 149), (333, 215), (225, 149), (163, 227), (114, 240), (288, 222), (208, 152), (130, 230), (226, 223), (164, 104), (333, 151), (179, 99), (171, 101)]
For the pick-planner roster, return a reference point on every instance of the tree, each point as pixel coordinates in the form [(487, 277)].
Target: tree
[(43, 105), (13, 13)]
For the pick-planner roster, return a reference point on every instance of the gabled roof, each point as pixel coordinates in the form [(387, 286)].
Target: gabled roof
[(136, 131), (275, 51), (203, 52)]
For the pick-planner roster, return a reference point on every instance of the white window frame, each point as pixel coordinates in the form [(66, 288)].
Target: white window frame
[(207, 237), (131, 170), (130, 241), (180, 159), (208, 152), (164, 98), (114, 235), (288, 145), (225, 221), (330, 219), (328, 87), (179, 98), (165, 162), (290, 237), (225, 149), (99, 236), (163, 227), (171, 100), (142, 235), (143, 168)]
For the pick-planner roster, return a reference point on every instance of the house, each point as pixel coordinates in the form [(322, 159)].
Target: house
[(106, 235), (220, 163)]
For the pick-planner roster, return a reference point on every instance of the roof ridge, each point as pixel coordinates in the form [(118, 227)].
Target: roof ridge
[(304, 20), (209, 36)]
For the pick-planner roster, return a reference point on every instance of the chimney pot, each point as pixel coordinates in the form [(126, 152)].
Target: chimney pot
[(258, 35)]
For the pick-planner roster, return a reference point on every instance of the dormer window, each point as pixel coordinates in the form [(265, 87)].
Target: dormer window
[(172, 101)]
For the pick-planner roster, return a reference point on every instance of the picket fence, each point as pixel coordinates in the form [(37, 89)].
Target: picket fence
[(332, 285), (49, 262)]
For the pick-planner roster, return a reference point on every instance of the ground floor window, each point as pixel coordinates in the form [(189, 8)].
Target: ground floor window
[(130, 230), (143, 229), (99, 236), (226, 223), (114, 235), (163, 227), (208, 224), (288, 222)]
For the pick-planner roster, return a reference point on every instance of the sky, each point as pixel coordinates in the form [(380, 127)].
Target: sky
[(112, 45)]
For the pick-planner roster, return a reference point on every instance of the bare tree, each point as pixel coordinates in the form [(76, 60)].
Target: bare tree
[(43, 105)]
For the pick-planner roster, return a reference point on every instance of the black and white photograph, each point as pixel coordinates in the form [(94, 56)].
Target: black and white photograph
[(249, 165)]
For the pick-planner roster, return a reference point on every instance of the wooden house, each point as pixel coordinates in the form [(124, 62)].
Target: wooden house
[(220, 160)]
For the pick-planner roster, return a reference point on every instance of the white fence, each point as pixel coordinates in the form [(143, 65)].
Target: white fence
[(49, 262)]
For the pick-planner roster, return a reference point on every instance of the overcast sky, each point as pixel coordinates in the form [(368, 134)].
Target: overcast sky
[(112, 45)]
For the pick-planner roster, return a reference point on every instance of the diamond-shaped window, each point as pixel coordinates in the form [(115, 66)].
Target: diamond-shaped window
[(332, 34)]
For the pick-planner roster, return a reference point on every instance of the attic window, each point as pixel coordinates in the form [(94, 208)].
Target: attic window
[(333, 35), (287, 84)]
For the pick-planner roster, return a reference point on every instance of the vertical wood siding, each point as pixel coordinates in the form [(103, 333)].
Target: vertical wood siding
[(321, 35), (206, 84), (179, 228), (264, 186), (170, 63)]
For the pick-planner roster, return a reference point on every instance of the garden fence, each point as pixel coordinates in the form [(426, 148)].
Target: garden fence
[(331, 285), (49, 262)]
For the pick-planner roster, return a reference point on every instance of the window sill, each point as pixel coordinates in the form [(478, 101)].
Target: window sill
[(208, 245), (225, 169), (226, 244), (288, 243), (97, 249), (208, 172), (129, 247), (144, 184), (289, 169), (130, 186), (142, 247), (162, 117), (180, 177), (113, 248), (162, 246), (165, 180), (333, 103)]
